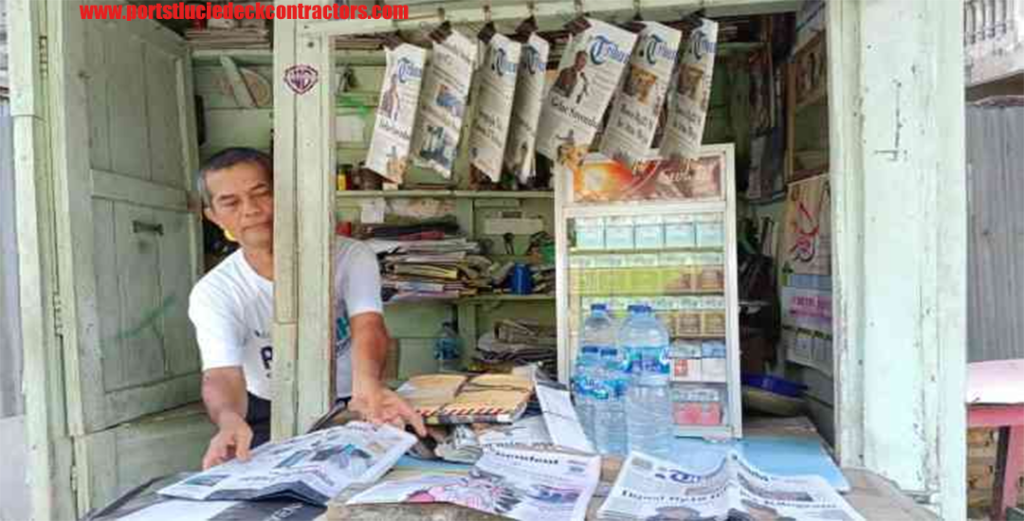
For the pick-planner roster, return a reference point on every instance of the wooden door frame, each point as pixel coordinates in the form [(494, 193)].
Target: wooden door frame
[(860, 93)]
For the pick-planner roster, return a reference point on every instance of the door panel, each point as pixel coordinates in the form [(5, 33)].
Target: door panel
[(128, 242)]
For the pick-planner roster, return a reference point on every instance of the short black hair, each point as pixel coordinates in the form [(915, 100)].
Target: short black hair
[(228, 158)]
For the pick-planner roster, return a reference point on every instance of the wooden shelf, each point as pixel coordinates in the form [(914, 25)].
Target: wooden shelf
[(245, 56), (675, 249), (479, 299), (467, 194)]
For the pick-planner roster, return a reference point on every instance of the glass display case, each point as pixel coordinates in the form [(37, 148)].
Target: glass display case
[(661, 235)]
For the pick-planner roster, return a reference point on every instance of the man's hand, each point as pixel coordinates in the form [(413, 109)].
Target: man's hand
[(378, 405), (232, 440)]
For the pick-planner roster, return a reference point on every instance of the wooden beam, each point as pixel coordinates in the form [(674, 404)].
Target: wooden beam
[(49, 447)]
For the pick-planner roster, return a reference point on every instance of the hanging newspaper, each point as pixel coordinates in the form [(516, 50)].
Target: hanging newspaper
[(396, 111), (636, 108), (312, 468), (519, 483), (688, 105), (649, 488), (443, 103), (588, 75), (494, 106), (519, 149)]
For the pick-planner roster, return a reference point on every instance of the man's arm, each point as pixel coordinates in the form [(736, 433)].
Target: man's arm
[(370, 395), (226, 403)]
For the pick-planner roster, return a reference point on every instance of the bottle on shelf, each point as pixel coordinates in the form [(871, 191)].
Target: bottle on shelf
[(448, 350), (610, 404), (644, 341), (598, 332)]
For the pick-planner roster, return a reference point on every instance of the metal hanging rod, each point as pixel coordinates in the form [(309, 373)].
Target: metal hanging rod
[(463, 13)]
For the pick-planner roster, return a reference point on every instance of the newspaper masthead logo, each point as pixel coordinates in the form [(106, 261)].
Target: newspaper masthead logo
[(531, 60), (655, 48), (501, 64), (407, 69), (602, 48), (700, 45)]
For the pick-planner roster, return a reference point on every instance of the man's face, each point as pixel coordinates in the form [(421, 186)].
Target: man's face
[(580, 62), (242, 203)]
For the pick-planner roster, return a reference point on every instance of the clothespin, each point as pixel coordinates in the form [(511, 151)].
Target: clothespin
[(443, 31), (580, 23), (527, 26), (692, 21), (393, 40), (635, 25), (637, 17), (488, 31)]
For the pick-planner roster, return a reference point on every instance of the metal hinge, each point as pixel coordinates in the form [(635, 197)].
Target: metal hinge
[(74, 480), (58, 315), (44, 58)]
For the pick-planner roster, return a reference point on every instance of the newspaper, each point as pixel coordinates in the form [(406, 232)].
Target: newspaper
[(396, 111), (519, 483), (588, 75), (560, 418), (466, 443), (688, 105), (443, 103), (312, 468), (637, 107), (648, 488), (494, 106), (522, 134)]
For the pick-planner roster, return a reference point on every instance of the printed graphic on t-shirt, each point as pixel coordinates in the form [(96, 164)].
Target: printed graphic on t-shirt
[(342, 334)]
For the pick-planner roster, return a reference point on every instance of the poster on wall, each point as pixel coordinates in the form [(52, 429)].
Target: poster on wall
[(688, 105), (634, 114), (443, 103), (588, 76), (526, 106), (396, 112), (494, 105), (603, 180), (807, 327), (807, 236)]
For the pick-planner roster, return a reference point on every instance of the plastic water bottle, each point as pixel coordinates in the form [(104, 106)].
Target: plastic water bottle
[(598, 332), (447, 350), (610, 404), (648, 400)]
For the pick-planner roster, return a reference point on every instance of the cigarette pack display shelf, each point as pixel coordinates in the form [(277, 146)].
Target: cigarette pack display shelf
[(676, 254)]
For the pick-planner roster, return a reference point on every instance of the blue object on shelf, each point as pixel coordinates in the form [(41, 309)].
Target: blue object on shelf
[(774, 384)]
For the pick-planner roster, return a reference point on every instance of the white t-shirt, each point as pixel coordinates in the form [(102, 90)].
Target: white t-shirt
[(232, 309)]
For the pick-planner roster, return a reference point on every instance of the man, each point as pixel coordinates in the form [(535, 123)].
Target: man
[(565, 84), (232, 309)]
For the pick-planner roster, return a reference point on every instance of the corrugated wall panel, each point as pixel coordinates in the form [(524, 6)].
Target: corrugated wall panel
[(995, 132)]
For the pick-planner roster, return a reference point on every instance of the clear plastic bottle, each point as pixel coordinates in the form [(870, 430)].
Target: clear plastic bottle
[(598, 332), (447, 350), (610, 409), (645, 342)]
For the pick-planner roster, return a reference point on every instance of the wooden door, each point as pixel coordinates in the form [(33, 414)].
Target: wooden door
[(128, 240)]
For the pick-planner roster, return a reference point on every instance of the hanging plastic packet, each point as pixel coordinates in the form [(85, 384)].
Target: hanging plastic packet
[(688, 105), (494, 105), (588, 75), (522, 135), (396, 111), (443, 101), (635, 110)]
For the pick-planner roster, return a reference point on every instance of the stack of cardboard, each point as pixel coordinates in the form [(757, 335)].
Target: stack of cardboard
[(515, 343)]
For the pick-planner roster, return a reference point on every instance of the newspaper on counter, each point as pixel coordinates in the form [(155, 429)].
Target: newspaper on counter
[(560, 417), (396, 112), (588, 75), (636, 108), (648, 488), (520, 483), (494, 105), (522, 134), (466, 443), (312, 468), (443, 103), (688, 105)]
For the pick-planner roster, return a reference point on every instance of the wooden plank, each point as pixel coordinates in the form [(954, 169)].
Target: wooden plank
[(163, 110), (121, 458), (190, 153), (314, 199), (126, 105), (45, 423), (847, 180), (240, 127), (107, 297), (139, 357), (97, 87), (180, 352), (285, 229), (116, 187)]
